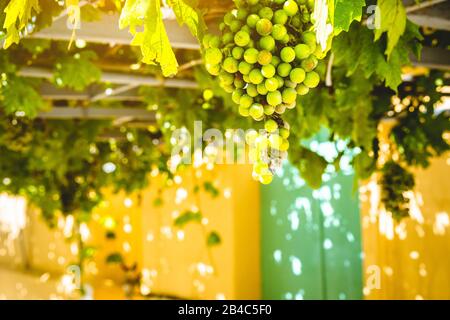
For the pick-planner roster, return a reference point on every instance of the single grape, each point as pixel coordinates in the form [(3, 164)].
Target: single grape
[(302, 51), (289, 95), (244, 111), (290, 7), (271, 125), (271, 84), (247, 29), (246, 101), (275, 141), (268, 71), (228, 88), (284, 69), (261, 88), (302, 89), (267, 43), (264, 27), (266, 13), (227, 38), (208, 94), (256, 111), (256, 76), (244, 67), (228, 18), (237, 53), (235, 26), (264, 57), (252, 90), (312, 79), (309, 38), (284, 133), (251, 55), (275, 61), (214, 42), (279, 32), (287, 54), (296, 21), (213, 56), (274, 98), (242, 14), (269, 110), (242, 38), (297, 75), (237, 95), (284, 146), (226, 78), (286, 39), (213, 69), (280, 109), (239, 82), (266, 179), (280, 17), (250, 136), (252, 2), (230, 65), (252, 20), (309, 64)]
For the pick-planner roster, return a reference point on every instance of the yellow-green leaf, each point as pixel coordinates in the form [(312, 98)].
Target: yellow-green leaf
[(18, 13), (187, 15)]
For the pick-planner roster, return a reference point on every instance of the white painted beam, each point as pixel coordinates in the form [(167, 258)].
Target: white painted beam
[(93, 113)]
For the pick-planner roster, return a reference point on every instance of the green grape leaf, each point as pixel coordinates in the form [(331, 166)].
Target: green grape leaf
[(19, 95), (310, 165), (77, 71), (211, 189), (18, 13), (187, 15), (345, 12), (213, 239), (153, 40), (187, 217), (114, 258), (392, 19)]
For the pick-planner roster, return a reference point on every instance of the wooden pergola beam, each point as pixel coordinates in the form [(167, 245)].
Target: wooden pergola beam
[(97, 113)]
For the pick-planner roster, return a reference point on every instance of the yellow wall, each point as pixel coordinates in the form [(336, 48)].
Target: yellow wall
[(410, 257)]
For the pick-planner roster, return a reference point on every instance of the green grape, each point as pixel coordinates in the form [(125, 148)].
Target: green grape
[(230, 65), (267, 43), (266, 179), (302, 89), (208, 94), (290, 84), (310, 39), (239, 82), (264, 57), (251, 55), (247, 29), (264, 27), (286, 39), (246, 77), (228, 18), (266, 13), (287, 54), (284, 146), (206, 106), (213, 56), (318, 53), (226, 78), (284, 69), (242, 38), (246, 101), (275, 61), (269, 110), (290, 7), (271, 125), (275, 141), (256, 111), (235, 26), (310, 4), (244, 67), (312, 79), (279, 32), (206, 41), (242, 14), (309, 64), (296, 21), (222, 26), (252, 91), (237, 53), (261, 88), (297, 75), (252, 2), (305, 17), (214, 42), (252, 20), (302, 51), (280, 109), (289, 95), (244, 111), (271, 84), (228, 88), (268, 71), (284, 133), (227, 38), (256, 76), (237, 95), (213, 69), (280, 17), (250, 136), (274, 98)]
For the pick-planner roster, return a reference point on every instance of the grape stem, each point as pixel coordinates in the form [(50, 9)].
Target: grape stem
[(328, 78)]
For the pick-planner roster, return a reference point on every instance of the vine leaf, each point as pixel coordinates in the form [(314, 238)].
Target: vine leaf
[(18, 13), (19, 95), (153, 40), (213, 239), (187, 217), (393, 21), (187, 15), (310, 165), (345, 12)]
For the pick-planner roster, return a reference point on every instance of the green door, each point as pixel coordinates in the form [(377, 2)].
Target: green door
[(311, 239)]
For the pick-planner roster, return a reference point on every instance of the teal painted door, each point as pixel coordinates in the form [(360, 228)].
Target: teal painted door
[(311, 239)]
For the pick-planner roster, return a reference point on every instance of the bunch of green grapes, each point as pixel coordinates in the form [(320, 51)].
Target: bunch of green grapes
[(265, 58)]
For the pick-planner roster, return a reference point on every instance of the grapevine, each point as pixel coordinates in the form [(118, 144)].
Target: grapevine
[(265, 58)]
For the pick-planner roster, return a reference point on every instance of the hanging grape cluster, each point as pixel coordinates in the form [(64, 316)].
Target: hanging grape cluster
[(265, 58)]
